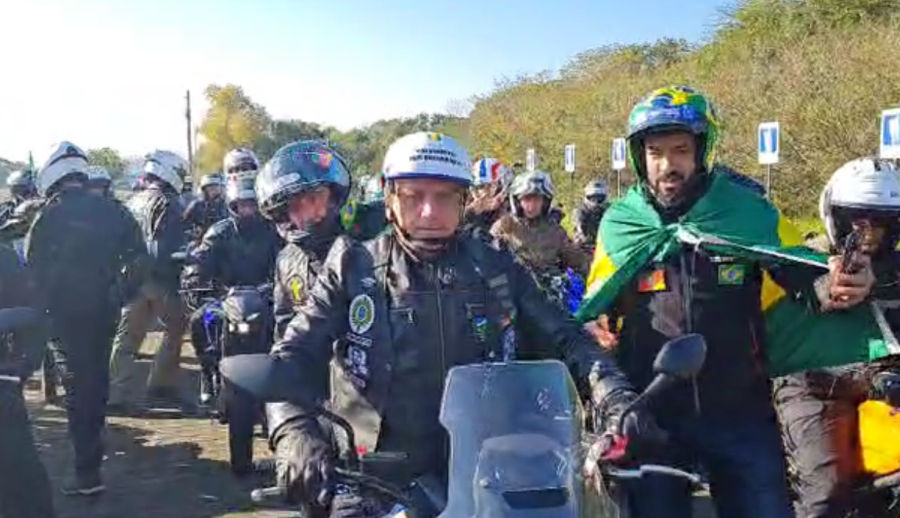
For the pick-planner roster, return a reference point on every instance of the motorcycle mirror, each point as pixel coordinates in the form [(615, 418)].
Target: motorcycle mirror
[(265, 377), (17, 317), (682, 357), (180, 257)]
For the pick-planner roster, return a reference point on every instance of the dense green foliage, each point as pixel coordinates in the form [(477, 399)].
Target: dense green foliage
[(235, 120), (823, 68)]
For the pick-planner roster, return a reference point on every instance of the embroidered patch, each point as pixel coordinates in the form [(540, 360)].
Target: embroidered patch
[(296, 286), (359, 339), (652, 281), (362, 313), (731, 274)]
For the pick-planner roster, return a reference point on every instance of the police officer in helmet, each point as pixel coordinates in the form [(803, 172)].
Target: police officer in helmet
[(158, 212), (209, 208), (88, 259), (237, 251)]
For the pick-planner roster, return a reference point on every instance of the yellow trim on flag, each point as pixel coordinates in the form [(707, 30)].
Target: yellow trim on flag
[(788, 233), (770, 293), (602, 268)]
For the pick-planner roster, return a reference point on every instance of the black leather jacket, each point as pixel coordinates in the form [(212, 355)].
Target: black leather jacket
[(237, 253), (586, 223), (86, 254), (158, 212), (296, 269), (391, 328), (201, 214)]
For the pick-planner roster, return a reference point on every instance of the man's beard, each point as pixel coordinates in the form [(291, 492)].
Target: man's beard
[(667, 199)]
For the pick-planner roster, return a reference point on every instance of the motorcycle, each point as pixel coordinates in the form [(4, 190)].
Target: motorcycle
[(565, 289), (517, 441), (240, 323)]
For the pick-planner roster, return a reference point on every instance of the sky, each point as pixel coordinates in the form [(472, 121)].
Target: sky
[(114, 73)]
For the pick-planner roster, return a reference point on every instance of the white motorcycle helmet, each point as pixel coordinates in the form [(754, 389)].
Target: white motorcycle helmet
[(240, 160), (63, 159), (211, 179), (865, 186), (167, 166), (427, 155), (241, 187), (489, 171), (596, 192), (98, 173), (535, 182)]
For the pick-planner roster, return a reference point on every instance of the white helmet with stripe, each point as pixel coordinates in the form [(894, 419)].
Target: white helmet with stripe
[(427, 155), (864, 184)]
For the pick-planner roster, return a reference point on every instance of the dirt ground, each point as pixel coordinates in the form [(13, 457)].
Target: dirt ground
[(162, 465), (157, 466)]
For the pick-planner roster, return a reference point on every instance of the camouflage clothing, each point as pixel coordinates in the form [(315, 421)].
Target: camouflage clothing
[(541, 244)]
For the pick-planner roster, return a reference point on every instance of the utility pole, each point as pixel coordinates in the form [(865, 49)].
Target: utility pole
[(190, 145)]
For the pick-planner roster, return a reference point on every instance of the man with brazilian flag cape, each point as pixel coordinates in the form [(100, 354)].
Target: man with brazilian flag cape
[(732, 221), (689, 249)]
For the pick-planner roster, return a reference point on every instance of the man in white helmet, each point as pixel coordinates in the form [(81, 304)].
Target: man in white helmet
[(88, 259), (21, 189), (239, 160), (99, 181), (158, 212), (392, 315), (529, 231), (209, 208), (851, 362)]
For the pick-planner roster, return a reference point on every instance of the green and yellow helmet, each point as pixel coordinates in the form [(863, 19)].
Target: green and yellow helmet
[(670, 109)]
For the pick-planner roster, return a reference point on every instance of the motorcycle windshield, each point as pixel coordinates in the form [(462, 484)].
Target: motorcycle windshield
[(515, 433)]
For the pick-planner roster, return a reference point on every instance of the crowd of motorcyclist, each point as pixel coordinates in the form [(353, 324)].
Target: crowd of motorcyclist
[(439, 262)]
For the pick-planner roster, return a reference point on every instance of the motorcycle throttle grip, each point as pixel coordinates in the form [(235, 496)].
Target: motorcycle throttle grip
[(265, 495)]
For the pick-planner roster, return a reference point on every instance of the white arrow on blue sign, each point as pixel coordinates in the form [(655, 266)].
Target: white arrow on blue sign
[(768, 143), (890, 134), (618, 154), (569, 157)]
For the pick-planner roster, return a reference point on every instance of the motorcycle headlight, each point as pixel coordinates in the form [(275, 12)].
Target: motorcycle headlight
[(243, 328)]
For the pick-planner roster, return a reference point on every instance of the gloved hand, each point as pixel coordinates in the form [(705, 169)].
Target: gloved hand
[(886, 387), (349, 505), (637, 424), (304, 464)]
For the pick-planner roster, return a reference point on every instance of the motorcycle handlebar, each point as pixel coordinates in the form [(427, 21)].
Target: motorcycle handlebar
[(277, 495), (645, 469), (268, 495)]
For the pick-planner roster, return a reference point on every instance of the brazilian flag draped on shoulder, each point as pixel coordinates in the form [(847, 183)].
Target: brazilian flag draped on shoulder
[(732, 220)]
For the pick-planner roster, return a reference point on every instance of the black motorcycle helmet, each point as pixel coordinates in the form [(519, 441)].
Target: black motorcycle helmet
[(296, 168)]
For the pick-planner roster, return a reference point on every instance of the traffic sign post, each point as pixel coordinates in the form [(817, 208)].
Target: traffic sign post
[(768, 146), (569, 161), (530, 160), (619, 162), (890, 134), (569, 158)]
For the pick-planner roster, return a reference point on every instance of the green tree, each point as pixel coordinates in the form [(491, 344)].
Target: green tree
[(108, 158), (233, 120), (283, 132), (823, 68)]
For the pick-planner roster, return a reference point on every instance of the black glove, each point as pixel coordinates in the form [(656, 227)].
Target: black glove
[(636, 424), (349, 504), (886, 387), (305, 466)]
